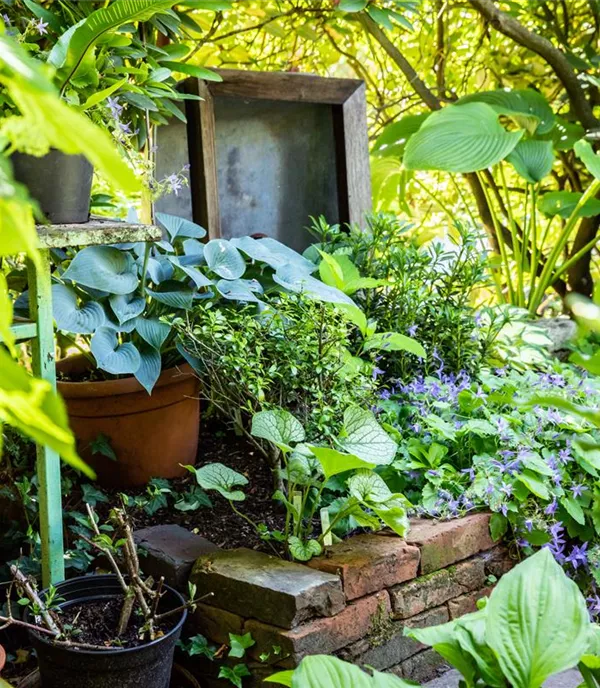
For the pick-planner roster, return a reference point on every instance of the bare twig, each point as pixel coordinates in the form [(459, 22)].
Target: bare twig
[(187, 605), (24, 583)]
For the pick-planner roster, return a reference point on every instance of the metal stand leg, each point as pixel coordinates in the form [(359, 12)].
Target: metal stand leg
[(48, 461)]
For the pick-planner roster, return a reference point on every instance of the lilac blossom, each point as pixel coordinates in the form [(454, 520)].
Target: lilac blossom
[(578, 556), (528, 524), (41, 26), (552, 508), (412, 330), (174, 184), (6, 19), (577, 490)]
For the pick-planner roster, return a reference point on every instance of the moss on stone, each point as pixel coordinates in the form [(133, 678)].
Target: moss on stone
[(382, 628)]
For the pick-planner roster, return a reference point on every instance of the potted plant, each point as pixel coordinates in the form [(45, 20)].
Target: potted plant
[(129, 393), (106, 63), (99, 630)]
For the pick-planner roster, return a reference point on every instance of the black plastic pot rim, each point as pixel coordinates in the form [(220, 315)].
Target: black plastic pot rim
[(46, 640)]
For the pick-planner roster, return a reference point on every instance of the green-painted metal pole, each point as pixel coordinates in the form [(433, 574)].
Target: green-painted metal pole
[(48, 461)]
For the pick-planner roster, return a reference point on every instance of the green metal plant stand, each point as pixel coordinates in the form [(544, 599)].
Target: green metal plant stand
[(40, 330)]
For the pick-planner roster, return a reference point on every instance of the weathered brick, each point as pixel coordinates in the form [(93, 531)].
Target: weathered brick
[(267, 588), (467, 603), (434, 589), (384, 653), (216, 624), (369, 563), (422, 667), (170, 551), (498, 561), (445, 542), (320, 636)]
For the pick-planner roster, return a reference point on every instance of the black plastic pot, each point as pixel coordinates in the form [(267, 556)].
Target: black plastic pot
[(60, 183), (146, 666)]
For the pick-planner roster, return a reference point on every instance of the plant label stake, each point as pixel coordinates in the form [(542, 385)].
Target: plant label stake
[(325, 527)]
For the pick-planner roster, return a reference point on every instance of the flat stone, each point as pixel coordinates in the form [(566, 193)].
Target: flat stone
[(443, 543), (498, 561), (266, 588), (433, 589), (465, 604), (171, 551), (369, 563), (424, 666), (320, 636)]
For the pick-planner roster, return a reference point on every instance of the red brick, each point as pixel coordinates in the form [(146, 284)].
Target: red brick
[(437, 588), (443, 543), (321, 636), (465, 604), (369, 563), (216, 624)]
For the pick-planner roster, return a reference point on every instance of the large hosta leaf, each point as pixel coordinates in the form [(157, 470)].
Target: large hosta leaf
[(273, 253), (160, 269), (198, 277), (127, 306), (71, 317), (460, 138), (563, 203), (174, 294), (532, 160), (216, 476), (300, 282), (537, 621), (152, 331), (392, 141), (239, 290), (180, 227), (365, 438), (149, 369), (526, 106), (115, 358), (104, 268), (588, 157), (224, 259)]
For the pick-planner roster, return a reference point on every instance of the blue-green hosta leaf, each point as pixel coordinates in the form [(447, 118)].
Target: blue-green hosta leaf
[(127, 306), (174, 294), (179, 227), (153, 331), (223, 258), (334, 462), (365, 438), (588, 157), (460, 138), (532, 159), (70, 316), (149, 369), (563, 203), (304, 550), (301, 283), (160, 269), (198, 277), (193, 247), (537, 621), (216, 476), (115, 358), (277, 426), (104, 268), (527, 107), (394, 341), (273, 253), (392, 141), (240, 289), (126, 327)]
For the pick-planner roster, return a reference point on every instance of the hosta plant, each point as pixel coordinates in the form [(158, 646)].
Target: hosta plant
[(311, 475)]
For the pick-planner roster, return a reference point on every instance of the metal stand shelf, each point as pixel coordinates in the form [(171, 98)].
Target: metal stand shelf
[(40, 329)]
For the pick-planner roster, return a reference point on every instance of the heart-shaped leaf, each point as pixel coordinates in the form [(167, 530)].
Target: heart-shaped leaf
[(392, 141), (159, 269), (368, 486), (180, 227), (71, 317), (224, 259), (304, 550), (278, 426), (334, 462), (199, 278), (127, 306), (365, 438), (104, 268), (460, 138), (174, 294), (149, 369), (216, 476), (153, 331), (532, 160), (115, 358)]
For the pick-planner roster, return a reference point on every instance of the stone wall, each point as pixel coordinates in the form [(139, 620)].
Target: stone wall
[(355, 601)]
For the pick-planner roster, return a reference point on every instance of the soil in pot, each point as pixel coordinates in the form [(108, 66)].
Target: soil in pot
[(60, 183), (141, 436)]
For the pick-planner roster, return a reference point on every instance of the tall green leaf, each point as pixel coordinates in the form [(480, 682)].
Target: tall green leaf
[(532, 159), (460, 138)]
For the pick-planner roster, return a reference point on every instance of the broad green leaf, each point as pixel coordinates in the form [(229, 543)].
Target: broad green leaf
[(150, 366), (127, 306), (365, 438), (535, 484), (193, 70), (479, 427), (380, 16), (104, 268), (212, 5), (72, 317), (115, 358), (278, 426), (574, 509), (393, 513), (537, 621), (498, 526), (330, 271), (224, 259), (318, 671), (563, 203), (368, 486), (588, 157), (470, 633), (216, 476), (304, 550), (282, 678), (392, 141), (297, 280), (460, 138), (180, 227), (334, 462), (394, 341), (352, 5), (532, 159)]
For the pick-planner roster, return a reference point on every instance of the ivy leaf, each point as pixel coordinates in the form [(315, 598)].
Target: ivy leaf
[(235, 674), (239, 644), (304, 551), (216, 476)]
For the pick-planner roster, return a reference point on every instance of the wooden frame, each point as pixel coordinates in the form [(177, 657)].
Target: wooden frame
[(350, 140)]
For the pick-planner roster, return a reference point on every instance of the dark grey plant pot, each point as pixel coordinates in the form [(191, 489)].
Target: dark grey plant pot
[(60, 183), (148, 665)]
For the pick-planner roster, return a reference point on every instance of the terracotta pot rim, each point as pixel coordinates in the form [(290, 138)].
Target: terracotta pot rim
[(127, 385), (2, 658)]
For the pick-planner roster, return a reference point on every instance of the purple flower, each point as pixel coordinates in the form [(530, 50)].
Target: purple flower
[(6, 19), (577, 490), (125, 127), (564, 456), (504, 509), (174, 184), (578, 556), (412, 330), (385, 394), (552, 508), (521, 542), (470, 472), (500, 372), (416, 428), (554, 416), (115, 107), (489, 489), (41, 26), (507, 489), (377, 372), (593, 605), (529, 525), (557, 478), (433, 474)]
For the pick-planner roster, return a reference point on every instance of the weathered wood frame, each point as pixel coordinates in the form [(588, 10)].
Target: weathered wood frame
[(347, 98)]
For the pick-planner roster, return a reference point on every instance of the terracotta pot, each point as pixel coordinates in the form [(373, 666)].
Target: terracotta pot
[(151, 435), (2, 658)]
